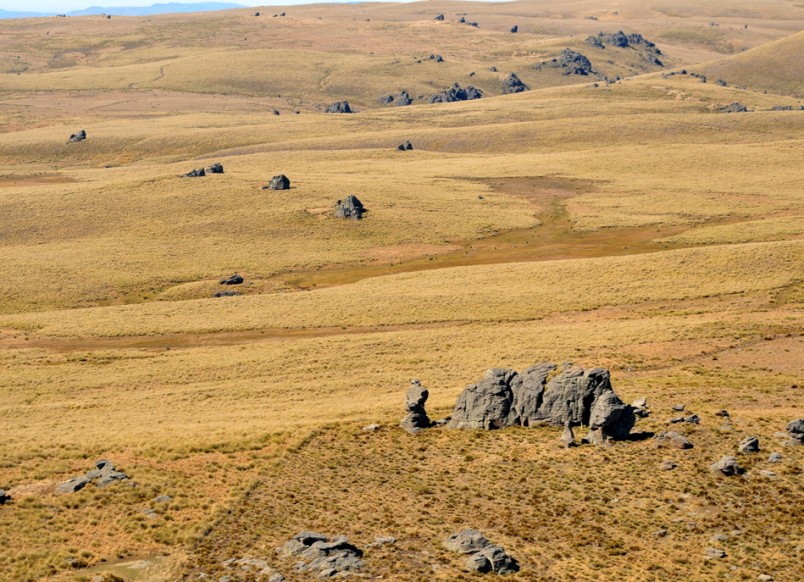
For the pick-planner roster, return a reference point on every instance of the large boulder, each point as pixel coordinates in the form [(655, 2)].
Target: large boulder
[(339, 107), (416, 417), (513, 84), (350, 207), (610, 418), (489, 403), (467, 541), (280, 182), (795, 429), (483, 555), (734, 108), (318, 555)]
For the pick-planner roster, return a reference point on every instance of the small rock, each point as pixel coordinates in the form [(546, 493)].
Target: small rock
[(714, 553), (468, 541), (227, 294), (765, 578), (163, 499), (692, 419), (722, 413), (280, 182), (720, 537), (77, 136), (749, 445), (774, 457), (440, 17), (728, 466), (514, 29), (371, 427), (668, 465), (73, 485), (676, 420), (567, 437), (734, 108), (351, 207), (672, 439), (339, 107), (678, 407), (4, 497), (766, 473), (660, 533), (199, 173), (150, 513)]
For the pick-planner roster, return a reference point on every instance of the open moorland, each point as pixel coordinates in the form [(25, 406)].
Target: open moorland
[(636, 206)]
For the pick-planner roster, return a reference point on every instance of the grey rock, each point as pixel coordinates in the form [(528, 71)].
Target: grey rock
[(512, 84), (660, 533), (478, 563), (573, 63), (73, 485), (765, 578), (468, 541), (104, 464), (371, 427), (766, 473), (436, 58), (678, 407), (226, 294), (796, 426), (440, 17), (715, 553), (671, 439), (77, 136), (676, 420), (280, 182), (150, 513), (215, 169), (692, 419), (514, 29), (456, 93), (487, 404), (774, 457), (722, 413), (339, 107), (782, 108), (163, 499), (734, 108), (567, 437), (233, 279), (668, 465), (749, 445), (4, 497), (198, 173), (727, 466), (719, 537), (351, 207), (501, 562), (109, 477), (416, 418)]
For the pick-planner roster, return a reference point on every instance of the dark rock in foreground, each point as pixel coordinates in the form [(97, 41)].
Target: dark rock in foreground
[(233, 279), (320, 556), (734, 108), (749, 445), (199, 173), (215, 169), (351, 207)]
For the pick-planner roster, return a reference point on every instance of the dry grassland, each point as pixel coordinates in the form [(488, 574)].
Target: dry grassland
[(627, 225)]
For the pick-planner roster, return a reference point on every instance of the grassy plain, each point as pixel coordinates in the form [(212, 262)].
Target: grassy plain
[(629, 225)]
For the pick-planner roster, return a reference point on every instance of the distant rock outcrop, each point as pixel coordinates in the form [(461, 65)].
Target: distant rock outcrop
[(77, 136), (573, 63), (416, 417), (280, 182), (322, 557), (483, 555), (404, 147), (456, 93), (215, 169), (575, 396), (233, 279), (401, 99), (514, 29), (749, 445), (199, 173), (512, 84), (339, 107), (4, 497), (734, 108), (795, 429), (351, 207), (440, 18), (648, 51), (103, 474)]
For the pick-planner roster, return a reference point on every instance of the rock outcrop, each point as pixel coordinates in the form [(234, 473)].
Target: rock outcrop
[(727, 466), (483, 555), (4, 497), (439, 17), (734, 108), (456, 93), (280, 182), (416, 418), (573, 63), (749, 445), (351, 207), (401, 99), (322, 557), (103, 474), (567, 437), (198, 173), (215, 169), (513, 84), (233, 279), (514, 29), (404, 147), (77, 136), (648, 51), (339, 107), (575, 396)]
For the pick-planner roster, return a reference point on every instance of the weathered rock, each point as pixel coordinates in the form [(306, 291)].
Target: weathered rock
[(497, 558), (407, 146), (610, 418), (478, 563), (774, 457), (567, 437), (766, 473), (594, 41), (233, 279), (749, 445), (339, 107), (727, 466), (676, 420), (351, 207), (722, 413), (573, 63), (321, 556), (215, 169), (796, 426), (512, 84), (77, 136), (456, 93), (163, 499), (73, 485), (782, 108), (440, 17), (672, 440), (300, 542), (467, 541), (401, 99), (529, 393), (692, 419), (514, 29), (416, 418), (569, 396), (668, 465), (678, 407), (734, 108), (197, 173), (489, 403), (280, 182), (640, 407)]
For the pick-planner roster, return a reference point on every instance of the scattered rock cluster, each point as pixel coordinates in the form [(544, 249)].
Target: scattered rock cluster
[(504, 397), (512, 84), (648, 50), (416, 418), (401, 99), (573, 63), (483, 555), (318, 555), (701, 78), (280, 182), (351, 207), (78, 136), (103, 474), (339, 107), (456, 93)]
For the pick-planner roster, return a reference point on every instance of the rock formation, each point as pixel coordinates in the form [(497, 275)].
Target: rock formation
[(727, 466), (672, 439), (4, 497), (514, 29), (416, 417), (339, 107), (78, 136), (575, 396), (103, 474), (749, 445), (401, 99), (483, 555), (647, 50), (351, 207), (280, 182), (567, 437), (456, 93), (573, 63), (322, 557), (199, 173), (512, 84), (440, 17)]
